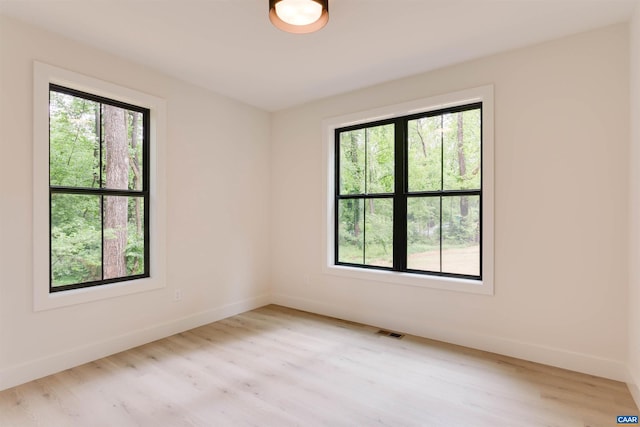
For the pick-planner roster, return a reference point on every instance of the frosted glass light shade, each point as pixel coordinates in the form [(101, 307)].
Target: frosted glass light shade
[(299, 16), (298, 12)]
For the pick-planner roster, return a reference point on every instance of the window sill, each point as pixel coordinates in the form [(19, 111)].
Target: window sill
[(482, 287), (48, 301)]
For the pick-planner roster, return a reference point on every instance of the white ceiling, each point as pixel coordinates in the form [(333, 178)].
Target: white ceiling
[(230, 47)]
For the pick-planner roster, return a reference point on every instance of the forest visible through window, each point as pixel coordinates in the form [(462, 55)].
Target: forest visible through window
[(98, 176), (409, 193)]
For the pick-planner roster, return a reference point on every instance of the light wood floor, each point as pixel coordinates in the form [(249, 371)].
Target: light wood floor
[(281, 367)]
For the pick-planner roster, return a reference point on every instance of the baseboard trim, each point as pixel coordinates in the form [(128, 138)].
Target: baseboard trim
[(34, 369), (579, 362)]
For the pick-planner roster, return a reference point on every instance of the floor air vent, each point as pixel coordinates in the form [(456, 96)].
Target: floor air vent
[(390, 334)]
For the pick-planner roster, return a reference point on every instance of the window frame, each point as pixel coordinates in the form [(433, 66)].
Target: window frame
[(402, 193), (44, 298), (104, 192), (417, 108)]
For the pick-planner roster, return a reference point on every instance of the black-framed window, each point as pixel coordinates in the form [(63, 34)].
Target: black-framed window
[(408, 193), (98, 190)]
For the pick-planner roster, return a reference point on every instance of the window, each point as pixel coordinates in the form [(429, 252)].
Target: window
[(409, 193), (99, 190)]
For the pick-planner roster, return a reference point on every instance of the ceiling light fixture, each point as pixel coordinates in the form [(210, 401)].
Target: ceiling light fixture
[(299, 16)]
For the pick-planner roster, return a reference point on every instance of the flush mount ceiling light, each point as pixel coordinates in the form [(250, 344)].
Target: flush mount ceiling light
[(299, 16)]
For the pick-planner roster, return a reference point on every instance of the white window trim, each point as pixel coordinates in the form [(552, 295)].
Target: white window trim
[(42, 298), (482, 94)]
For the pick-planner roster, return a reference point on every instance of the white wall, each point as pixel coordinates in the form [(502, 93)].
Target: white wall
[(634, 213), (561, 149), (217, 171)]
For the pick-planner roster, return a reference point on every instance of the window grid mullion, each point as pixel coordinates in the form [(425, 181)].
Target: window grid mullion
[(369, 196), (100, 140), (445, 193), (441, 152), (400, 197), (101, 186), (440, 255), (336, 191), (101, 237), (96, 191), (441, 185)]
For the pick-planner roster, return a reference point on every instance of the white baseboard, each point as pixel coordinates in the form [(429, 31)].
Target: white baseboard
[(34, 369), (579, 362)]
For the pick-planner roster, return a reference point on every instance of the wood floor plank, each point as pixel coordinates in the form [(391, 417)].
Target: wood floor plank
[(276, 366)]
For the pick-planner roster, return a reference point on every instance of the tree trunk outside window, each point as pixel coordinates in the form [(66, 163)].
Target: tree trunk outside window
[(117, 177)]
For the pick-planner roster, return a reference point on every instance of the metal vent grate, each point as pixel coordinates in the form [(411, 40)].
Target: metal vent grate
[(390, 334)]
